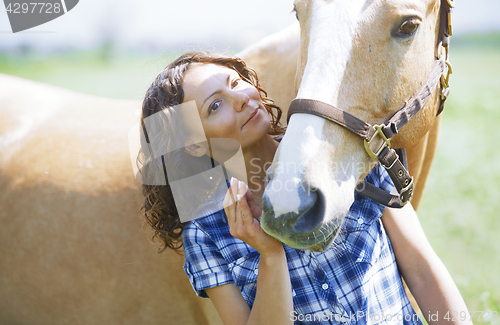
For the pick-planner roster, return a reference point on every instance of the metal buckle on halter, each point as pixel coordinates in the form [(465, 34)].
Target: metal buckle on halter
[(387, 142), (408, 188)]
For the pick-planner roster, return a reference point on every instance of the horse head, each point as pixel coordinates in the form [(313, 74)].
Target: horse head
[(367, 58)]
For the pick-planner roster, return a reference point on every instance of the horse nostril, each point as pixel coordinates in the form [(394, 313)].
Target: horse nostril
[(312, 213), (289, 220)]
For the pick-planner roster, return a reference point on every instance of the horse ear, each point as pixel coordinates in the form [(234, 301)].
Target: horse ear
[(194, 149)]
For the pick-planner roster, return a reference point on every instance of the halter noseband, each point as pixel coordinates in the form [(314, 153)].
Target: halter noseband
[(377, 138)]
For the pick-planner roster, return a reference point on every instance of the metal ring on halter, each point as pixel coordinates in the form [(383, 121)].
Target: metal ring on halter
[(440, 50), (451, 3), (449, 72), (445, 81), (441, 46)]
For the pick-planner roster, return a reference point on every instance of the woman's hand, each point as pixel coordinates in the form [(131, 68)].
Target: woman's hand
[(243, 216), (273, 302)]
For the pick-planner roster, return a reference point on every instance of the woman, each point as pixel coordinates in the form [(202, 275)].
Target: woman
[(228, 255)]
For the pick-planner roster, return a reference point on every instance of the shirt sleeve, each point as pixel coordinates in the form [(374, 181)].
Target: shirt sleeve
[(385, 181), (205, 266)]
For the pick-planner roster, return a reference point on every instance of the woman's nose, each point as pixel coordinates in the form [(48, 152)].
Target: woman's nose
[(240, 100)]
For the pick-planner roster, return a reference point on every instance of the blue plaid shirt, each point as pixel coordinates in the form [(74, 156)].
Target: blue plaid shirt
[(355, 281)]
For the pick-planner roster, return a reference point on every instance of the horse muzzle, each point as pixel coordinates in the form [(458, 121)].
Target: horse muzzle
[(303, 227)]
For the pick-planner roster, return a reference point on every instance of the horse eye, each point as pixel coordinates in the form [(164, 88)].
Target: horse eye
[(296, 13), (408, 27)]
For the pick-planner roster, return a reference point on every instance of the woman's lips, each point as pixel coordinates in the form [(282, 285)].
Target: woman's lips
[(252, 117)]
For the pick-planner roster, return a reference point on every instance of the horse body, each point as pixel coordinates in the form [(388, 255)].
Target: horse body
[(352, 57), (71, 241)]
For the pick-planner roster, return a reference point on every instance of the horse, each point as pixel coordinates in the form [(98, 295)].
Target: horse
[(361, 61)]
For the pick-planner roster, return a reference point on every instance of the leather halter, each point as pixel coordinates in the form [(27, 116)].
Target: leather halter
[(377, 137)]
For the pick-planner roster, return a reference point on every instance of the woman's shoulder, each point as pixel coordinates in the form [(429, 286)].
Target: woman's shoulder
[(198, 239), (204, 227)]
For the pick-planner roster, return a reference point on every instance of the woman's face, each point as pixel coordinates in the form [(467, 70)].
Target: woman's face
[(229, 107)]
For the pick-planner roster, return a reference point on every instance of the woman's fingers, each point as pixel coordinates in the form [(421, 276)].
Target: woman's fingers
[(254, 207), (239, 192), (234, 190), (244, 211), (242, 214), (239, 214), (242, 188)]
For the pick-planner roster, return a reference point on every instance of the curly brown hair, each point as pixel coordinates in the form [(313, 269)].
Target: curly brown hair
[(161, 218)]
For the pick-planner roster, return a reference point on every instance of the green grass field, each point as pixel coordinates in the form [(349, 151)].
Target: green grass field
[(460, 208), (95, 72)]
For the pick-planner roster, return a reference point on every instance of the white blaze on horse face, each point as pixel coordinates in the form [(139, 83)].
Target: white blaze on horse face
[(283, 194), (332, 22)]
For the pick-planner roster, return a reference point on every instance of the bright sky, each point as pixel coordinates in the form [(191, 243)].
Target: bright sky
[(168, 24)]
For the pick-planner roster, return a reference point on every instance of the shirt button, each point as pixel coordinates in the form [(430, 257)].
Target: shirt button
[(360, 221), (293, 293), (324, 286), (256, 271)]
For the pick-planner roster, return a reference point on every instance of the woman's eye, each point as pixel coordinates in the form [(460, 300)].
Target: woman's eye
[(235, 83), (408, 27), (214, 106)]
